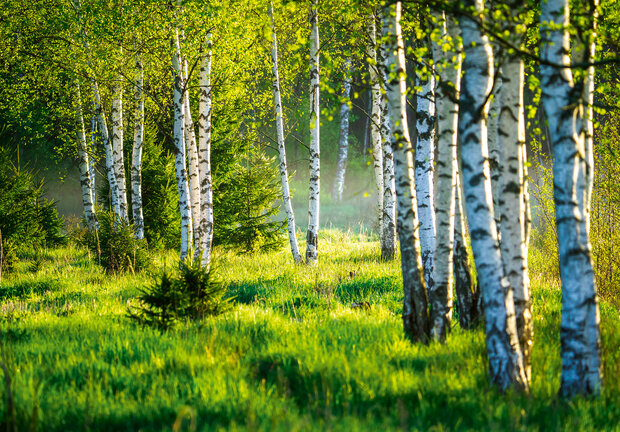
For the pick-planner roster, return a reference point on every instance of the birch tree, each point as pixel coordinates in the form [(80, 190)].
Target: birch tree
[(415, 302), (138, 141), (204, 154), (117, 145), (343, 142), (312, 252), (579, 331), (277, 102), (84, 165), (505, 358)]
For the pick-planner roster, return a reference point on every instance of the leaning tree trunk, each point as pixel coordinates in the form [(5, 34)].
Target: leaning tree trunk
[(204, 155), (388, 219), (579, 331), (505, 358), (424, 173), (194, 174), (136, 159), (446, 102), (277, 102), (179, 150), (312, 244), (107, 146), (343, 142), (375, 113), (85, 184), (415, 302), (512, 201), (118, 147)]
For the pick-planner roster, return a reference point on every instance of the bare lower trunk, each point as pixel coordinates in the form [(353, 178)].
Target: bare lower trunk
[(179, 150), (415, 302), (84, 165), (343, 142), (136, 160), (312, 240), (505, 359), (579, 332), (118, 147), (277, 102), (91, 151), (204, 155), (494, 157)]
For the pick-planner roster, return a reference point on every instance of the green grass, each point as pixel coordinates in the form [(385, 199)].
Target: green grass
[(292, 355)]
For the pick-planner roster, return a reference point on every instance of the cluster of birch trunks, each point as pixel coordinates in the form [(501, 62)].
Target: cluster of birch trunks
[(470, 116), (469, 159)]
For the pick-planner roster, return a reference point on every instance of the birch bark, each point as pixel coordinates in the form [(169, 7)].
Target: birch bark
[(179, 153), (505, 358), (312, 251), (84, 166), (415, 307), (118, 147), (204, 155), (138, 141), (343, 142), (579, 331), (277, 102), (448, 67)]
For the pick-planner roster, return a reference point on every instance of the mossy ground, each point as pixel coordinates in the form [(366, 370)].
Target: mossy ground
[(294, 354)]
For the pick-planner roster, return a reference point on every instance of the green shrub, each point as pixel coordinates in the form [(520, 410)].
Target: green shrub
[(193, 293), (8, 255), (114, 244)]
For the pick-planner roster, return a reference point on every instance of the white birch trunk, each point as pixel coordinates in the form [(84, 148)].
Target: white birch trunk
[(415, 302), (375, 113), (179, 153), (117, 147), (109, 157), (91, 151), (84, 165), (194, 174), (343, 143), (505, 358), (204, 155), (512, 201), (446, 102), (424, 172), (494, 156), (277, 102), (136, 159), (579, 331), (312, 251)]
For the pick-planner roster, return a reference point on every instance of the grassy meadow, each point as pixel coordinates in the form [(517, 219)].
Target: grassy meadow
[(304, 348)]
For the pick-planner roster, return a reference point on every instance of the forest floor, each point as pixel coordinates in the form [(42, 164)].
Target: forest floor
[(295, 353)]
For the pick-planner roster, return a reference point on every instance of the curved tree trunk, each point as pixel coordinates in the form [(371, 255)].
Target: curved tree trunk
[(136, 160), (343, 142), (579, 332), (179, 151), (312, 238), (204, 155), (505, 359), (415, 302), (84, 165), (277, 102)]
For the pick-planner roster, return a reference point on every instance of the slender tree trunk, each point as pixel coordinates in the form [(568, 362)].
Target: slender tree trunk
[(117, 147), (91, 151), (505, 358), (204, 155), (579, 332), (512, 201), (424, 184), (194, 174), (446, 102), (277, 102), (109, 157), (179, 153), (375, 121), (494, 153), (388, 219), (312, 244), (343, 143), (415, 307), (85, 184), (136, 160), (467, 294)]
